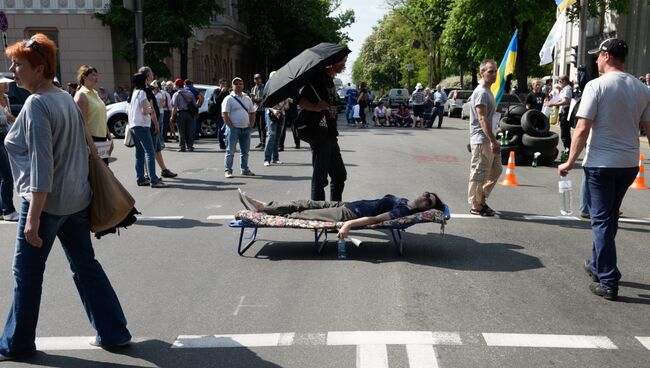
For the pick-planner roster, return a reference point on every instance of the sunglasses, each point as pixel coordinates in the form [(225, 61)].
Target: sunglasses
[(429, 197), (34, 45)]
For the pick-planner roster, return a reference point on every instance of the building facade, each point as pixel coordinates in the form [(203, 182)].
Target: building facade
[(216, 51), (632, 27)]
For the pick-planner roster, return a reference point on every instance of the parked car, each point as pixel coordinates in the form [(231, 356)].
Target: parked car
[(207, 125), (507, 100), (397, 96), (457, 98)]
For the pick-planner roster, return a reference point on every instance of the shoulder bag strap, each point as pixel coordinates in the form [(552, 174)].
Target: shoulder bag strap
[(240, 103)]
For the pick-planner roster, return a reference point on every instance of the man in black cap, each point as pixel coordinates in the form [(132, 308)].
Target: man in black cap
[(612, 108), (256, 95)]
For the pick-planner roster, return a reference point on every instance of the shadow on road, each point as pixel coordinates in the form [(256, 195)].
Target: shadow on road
[(449, 251), (176, 224), (161, 354)]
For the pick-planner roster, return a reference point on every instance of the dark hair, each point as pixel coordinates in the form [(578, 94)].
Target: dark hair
[(82, 73), (440, 205), (139, 81)]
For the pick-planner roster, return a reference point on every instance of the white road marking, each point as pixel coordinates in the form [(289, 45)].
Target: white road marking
[(221, 217), (633, 220), (465, 216), (421, 356), (3, 222), (551, 218), (234, 341), (242, 305), (64, 343), (393, 338), (372, 356), (645, 341), (153, 218), (549, 341)]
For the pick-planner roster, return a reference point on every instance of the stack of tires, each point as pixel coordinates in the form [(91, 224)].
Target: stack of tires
[(528, 132)]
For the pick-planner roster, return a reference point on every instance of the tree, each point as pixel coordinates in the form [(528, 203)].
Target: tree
[(280, 30), (168, 21)]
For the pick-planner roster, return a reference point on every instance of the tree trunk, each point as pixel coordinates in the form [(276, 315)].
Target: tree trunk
[(474, 77), (462, 77), (522, 58), (183, 51)]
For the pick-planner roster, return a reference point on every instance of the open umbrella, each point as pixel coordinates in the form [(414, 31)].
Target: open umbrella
[(288, 80)]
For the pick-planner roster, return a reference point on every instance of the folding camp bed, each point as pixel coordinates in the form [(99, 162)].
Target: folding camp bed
[(254, 220)]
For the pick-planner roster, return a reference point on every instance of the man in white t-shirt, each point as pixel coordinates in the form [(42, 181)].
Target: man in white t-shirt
[(612, 108), (566, 94), (238, 113)]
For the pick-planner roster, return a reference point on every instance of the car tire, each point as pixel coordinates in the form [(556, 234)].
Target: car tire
[(535, 123), (513, 130), (546, 144), (207, 126), (117, 125), (516, 111)]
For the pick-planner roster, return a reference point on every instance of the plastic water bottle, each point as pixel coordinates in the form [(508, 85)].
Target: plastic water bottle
[(535, 156), (341, 249), (564, 185)]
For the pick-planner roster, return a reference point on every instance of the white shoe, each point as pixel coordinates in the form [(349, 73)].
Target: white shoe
[(94, 341), (228, 175), (14, 216), (266, 163), (277, 162)]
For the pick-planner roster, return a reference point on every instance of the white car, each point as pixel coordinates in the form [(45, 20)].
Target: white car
[(207, 125)]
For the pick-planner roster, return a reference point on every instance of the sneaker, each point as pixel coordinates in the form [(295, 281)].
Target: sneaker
[(248, 173), (277, 162), (94, 341), (259, 145), (4, 358), (14, 216), (168, 174), (242, 199), (191, 149), (182, 150), (609, 294), (585, 216), (159, 184), (228, 175), (266, 163), (144, 183)]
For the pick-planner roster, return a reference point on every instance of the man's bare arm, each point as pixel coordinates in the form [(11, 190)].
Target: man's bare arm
[(361, 222)]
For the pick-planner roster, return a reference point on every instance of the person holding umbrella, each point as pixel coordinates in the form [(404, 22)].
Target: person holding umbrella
[(310, 75)]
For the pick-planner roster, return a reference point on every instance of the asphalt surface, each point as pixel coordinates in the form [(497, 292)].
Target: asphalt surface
[(443, 304)]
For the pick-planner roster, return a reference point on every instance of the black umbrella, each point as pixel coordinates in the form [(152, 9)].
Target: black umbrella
[(288, 80)]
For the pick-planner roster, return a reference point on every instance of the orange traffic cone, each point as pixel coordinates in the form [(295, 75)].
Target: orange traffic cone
[(510, 179), (639, 182)]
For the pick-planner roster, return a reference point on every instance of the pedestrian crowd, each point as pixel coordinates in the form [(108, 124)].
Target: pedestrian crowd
[(41, 160)]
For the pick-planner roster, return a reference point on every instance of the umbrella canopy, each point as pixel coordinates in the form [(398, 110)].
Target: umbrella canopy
[(288, 80)]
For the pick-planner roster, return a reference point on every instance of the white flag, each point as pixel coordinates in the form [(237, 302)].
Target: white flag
[(553, 37)]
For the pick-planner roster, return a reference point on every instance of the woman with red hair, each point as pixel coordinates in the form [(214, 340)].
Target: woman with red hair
[(48, 153)]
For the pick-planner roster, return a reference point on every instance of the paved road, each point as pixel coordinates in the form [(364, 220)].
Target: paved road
[(499, 292)]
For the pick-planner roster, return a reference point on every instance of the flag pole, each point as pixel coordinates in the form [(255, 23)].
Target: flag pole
[(582, 41)]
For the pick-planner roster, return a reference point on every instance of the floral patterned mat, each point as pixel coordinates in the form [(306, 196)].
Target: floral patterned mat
[(261, 219)]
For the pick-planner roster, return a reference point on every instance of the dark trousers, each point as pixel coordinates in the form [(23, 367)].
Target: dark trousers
[(326, 161), (565, 131), (607, 187), (437, 112), (221, 131), (288, 125), (260, 122), (311, 210), (184, 122)]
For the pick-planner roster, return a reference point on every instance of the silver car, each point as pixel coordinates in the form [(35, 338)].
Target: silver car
[(454, 104)]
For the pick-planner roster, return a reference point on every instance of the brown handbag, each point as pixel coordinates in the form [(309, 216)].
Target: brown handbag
[(112, 205)]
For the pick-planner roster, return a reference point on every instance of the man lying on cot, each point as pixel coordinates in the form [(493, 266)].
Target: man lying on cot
[(354, 214)]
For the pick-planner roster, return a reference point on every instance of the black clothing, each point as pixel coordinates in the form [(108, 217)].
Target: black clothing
[(535, 100), (325, 155), (152, 98)]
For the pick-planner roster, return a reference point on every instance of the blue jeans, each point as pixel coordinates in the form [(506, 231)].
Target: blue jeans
[(607, 187), (6, 181), (584, 196), (349, 113), (97, 295), (243, 136), (144, 151), (272, 138)]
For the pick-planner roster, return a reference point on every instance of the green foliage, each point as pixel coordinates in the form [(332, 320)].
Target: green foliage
[(169, 21), (280, 30)]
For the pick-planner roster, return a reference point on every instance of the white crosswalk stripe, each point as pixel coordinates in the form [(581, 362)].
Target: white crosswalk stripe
[(421, 356), (645, 341), (548, 341), (372, 356)]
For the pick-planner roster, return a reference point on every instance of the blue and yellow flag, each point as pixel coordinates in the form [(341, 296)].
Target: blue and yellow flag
[(563, 4), (506, 68)]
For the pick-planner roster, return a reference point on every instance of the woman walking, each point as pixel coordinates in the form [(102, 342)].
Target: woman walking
[(48, 152)]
